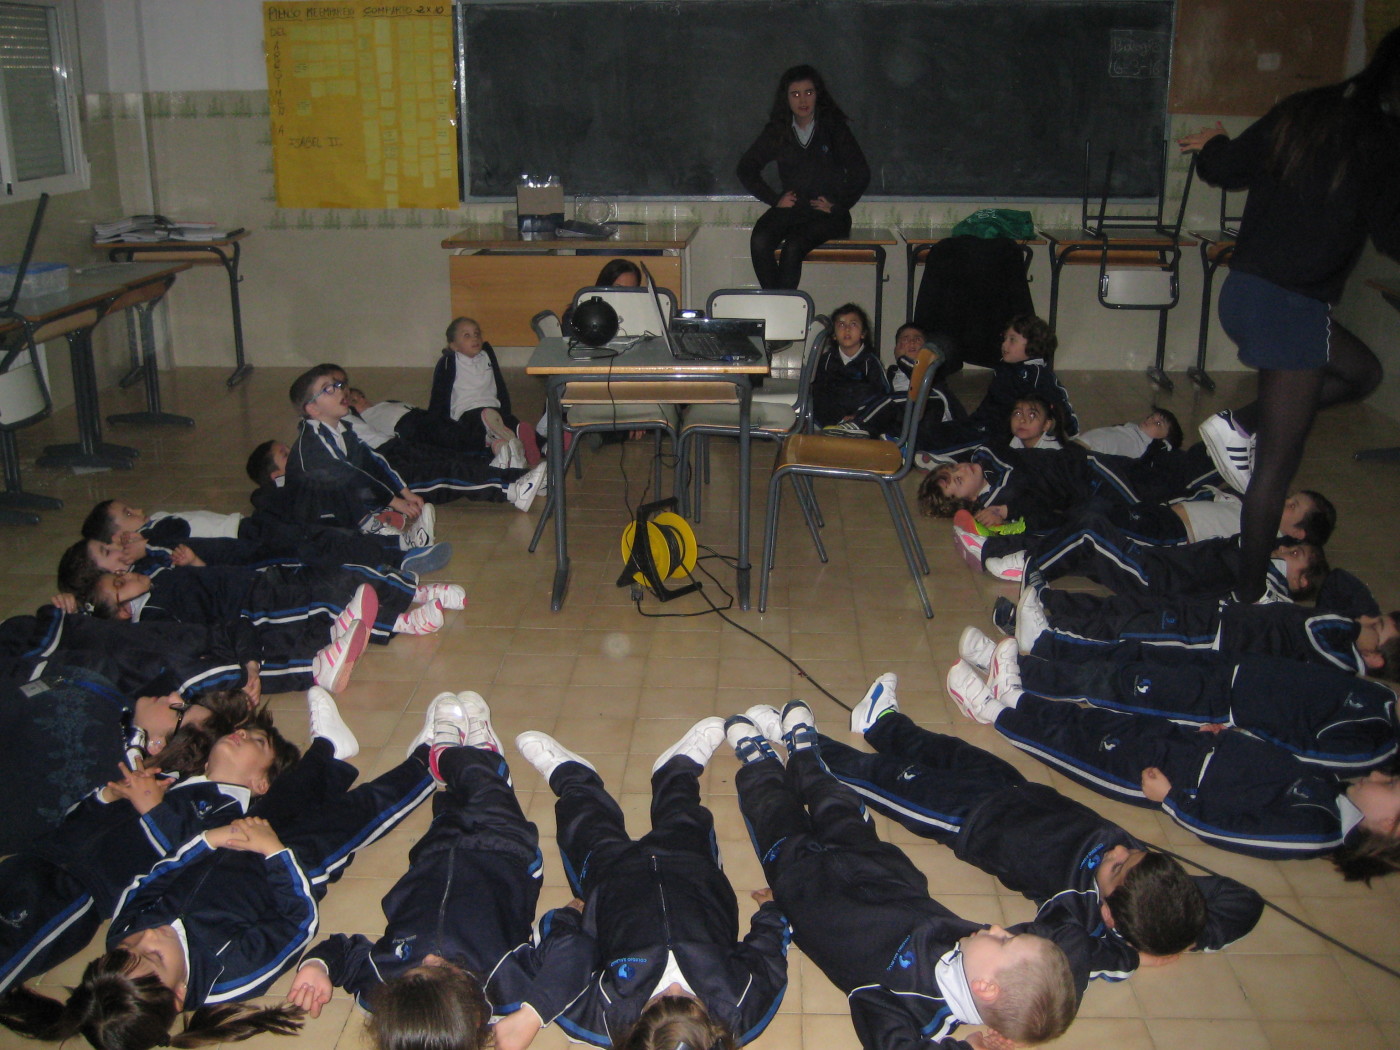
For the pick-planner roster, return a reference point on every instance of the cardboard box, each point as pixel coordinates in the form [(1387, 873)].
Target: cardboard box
[(539, 209)]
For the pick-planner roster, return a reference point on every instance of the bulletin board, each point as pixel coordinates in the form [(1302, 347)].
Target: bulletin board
[(1239, 57), (362, 104)]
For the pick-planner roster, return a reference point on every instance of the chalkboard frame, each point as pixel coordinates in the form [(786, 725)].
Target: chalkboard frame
[(509, 49)]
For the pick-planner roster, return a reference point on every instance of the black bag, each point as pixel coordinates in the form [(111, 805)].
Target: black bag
[(972, 288)]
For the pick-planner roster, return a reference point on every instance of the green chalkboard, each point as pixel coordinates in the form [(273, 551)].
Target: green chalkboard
[(948, 98)]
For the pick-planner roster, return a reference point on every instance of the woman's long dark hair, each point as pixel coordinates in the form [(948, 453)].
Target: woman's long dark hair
[(1341, 123), (115, 1011), (827, 109)]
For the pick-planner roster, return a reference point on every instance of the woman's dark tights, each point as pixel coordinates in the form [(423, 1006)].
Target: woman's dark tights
[(1280, 419)]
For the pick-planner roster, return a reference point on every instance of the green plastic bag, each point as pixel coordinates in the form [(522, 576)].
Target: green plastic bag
[(997, 222)]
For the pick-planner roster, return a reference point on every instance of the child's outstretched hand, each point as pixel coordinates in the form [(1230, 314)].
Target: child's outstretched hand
[(992, 515), (252, 834), (763, 896), (312, 988), (252, 688), (183, 555), (1155, 785)]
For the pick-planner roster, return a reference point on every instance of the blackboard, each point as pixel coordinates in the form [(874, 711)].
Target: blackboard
[(978, 98)]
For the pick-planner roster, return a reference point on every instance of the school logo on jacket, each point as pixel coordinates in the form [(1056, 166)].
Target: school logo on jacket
[(403, 947), (1108, 743), (626, 969), (1143, 685)]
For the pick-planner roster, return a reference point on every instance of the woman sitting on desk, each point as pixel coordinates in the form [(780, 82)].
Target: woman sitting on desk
[(821, 172)]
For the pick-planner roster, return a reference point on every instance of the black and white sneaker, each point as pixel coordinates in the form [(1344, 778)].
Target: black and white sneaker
[(1004, 615), (799, 726), (747, 740), (1231, 449)]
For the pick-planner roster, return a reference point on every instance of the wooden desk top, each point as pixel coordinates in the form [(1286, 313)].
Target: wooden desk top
[(919, 236), (863, 235), (500, 236), (1215, 236), (1117, 236), (171, 246), (93, 285), (647, 359)]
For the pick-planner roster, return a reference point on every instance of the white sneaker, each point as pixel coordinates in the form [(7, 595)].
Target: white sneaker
[(363, 606), (501, 459), (426, 619), (419, 533), (769, 721), (747, 739), (1230, 448), (522, 491), (546, 754), (971, 694), (698, 744), (448, 595), (1007, 567), (968, 543), (976, 648), (799, 726), (445, 707), (1031, 622), (331, 666), (515, 454), (847, 428), (480, 732), (879, 700), (327, 723), (1004, 675)]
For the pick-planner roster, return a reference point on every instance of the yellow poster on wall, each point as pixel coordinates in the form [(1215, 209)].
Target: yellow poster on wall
[(362, 104)]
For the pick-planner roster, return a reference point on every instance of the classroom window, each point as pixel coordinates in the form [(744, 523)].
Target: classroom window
[(41, 149)]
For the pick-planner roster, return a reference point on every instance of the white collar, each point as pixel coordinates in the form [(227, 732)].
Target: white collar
[(952, 984)]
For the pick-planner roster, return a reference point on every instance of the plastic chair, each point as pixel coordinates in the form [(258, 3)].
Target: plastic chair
[(636, 314), (786, 316), (780, 408), (807, 456)]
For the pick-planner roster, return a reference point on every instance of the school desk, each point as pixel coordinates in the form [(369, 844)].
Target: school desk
[(864, 244), (91, 295), (225, 252), (1148, 247), (650, 374), (502, 281), (919, 239)]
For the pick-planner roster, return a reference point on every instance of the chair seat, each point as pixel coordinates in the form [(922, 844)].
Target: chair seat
[(623, 412), (822, 451), (767, 417)]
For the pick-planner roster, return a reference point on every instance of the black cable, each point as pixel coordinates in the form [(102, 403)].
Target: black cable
[(720, 612)]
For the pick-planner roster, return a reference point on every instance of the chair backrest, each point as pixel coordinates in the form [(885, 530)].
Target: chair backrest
[(546, 325), (636, 315), (1229, 221), (802, 407), (784, 313), (1141, 288), (920, 383)]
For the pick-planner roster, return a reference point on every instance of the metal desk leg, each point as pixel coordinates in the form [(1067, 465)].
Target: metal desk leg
[(16, 505), (138, 365), (742, 571), (1158, 373), (242, 368), (1197, 374), (554, 393), (90, 451), (1056, 264), (153, 413)]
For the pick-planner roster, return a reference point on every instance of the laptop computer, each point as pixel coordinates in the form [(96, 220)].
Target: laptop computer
[(707, 338)]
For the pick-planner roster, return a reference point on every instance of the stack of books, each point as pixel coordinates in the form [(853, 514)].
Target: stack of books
[(144, 229)]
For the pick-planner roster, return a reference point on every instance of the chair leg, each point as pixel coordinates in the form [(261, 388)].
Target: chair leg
[(656, 465), (807, 500), (809, 494), (681, 483), (893, 499), (770, 537), (909, 529), (701, 474)]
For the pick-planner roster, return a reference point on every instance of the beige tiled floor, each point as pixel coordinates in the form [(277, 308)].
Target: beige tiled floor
[(620, 684)]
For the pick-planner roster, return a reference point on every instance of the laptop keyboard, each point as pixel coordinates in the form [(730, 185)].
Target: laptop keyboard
[(701, 344)]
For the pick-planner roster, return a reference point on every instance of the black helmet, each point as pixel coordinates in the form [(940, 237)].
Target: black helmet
[(594, 321)]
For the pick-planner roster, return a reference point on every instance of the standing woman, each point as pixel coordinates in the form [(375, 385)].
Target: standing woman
[(821, 175), (1321, 169)]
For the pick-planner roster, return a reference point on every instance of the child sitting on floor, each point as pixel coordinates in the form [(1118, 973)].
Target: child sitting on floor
[(1027, 348), (470, 393), (1036, 423), (848, 379)]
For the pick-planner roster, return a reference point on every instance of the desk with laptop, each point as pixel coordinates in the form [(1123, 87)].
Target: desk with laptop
[(654, 366)]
